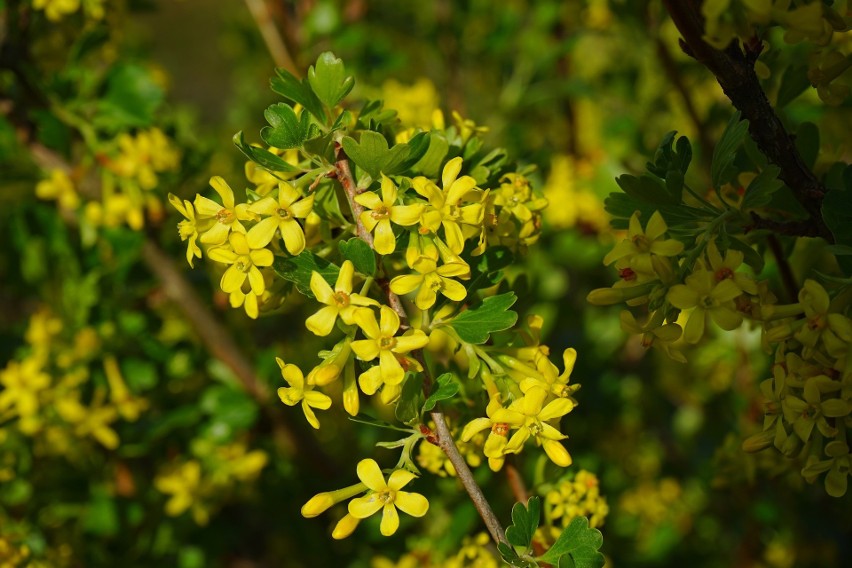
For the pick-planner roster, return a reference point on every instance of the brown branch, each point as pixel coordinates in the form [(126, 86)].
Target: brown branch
[(444, 437), (734, 70), (790, 228), (271, 37)]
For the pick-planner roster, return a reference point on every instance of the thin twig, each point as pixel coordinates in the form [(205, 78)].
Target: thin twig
[(734, 70), (271, 36), (444, 437)]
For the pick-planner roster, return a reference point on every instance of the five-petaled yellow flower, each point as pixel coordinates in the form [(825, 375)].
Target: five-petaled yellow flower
[(382, 343), (338, 302), (383, 211), (431, 279), (637, 248), (530, 415), (301, 391), (244, 261), (386, 496), (281, 216), (188, 228), (228, 215), (445, 206)]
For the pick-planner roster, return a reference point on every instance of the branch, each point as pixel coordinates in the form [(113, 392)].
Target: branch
[(734, 70), (444, 437), (271, 37)]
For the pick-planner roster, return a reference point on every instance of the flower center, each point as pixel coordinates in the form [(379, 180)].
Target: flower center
[(452, 211), (707, 302), (243, 263), (225, 216), (627, 274), (284, 214), (380, 212), (816, 323), (500, 429), (387, 342), (642, 243), (385, 497), (723, 274), (341, 299)]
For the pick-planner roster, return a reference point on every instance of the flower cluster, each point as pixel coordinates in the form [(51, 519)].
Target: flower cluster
[(578, 496), (50, 391), (201, 483), (129, 169)]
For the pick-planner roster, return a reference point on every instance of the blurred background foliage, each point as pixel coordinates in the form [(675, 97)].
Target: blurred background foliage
[(130, 437)]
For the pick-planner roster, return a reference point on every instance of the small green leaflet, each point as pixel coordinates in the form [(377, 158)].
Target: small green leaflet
[(580, 543), (288, 86), (447, 389), (286, 130), (361, 255), (759, 191), (298, 270), (525, 521), (410, 400), (493, 314), (373, 156), (329, 81), (262, 157), (837, 213), (721, 168), (646, 188)]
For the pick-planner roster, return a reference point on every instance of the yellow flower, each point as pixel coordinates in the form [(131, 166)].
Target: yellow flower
[(530, 416), (386, 496), (705, 295), (301, 391), (445, 209), (142, 156), (244, 262), (281, 216), (382, 343), (640, 245), (187, 229), (228, 215), (431, 279), (660, 336), (55, 10), (129, 406), (184, 485), (726, 268), (383, 211), (338, 302), (22, 382), (498, 437), (60, 188)]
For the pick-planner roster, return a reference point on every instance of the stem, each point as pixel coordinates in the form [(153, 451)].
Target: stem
[(734, 70), (783, 267), (271, 37), (444, 437)]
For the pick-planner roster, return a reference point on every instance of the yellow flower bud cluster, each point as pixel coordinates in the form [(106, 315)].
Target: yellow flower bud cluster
[(203, 483), (568, 184), (660, 503), (48, 391), (575, 496), (808, 401)]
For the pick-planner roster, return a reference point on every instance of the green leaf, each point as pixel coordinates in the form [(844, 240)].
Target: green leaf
[(288, 86), (230, 409), (372, 154), (132, 96), (683, 150), (140, 374), (447, 389), (361, 255), (417, 148), (298, 270), (721, 168), (262, 157), (410, 400), (646, 188), (674, 184), (794, 82), (525, 521), (101, 517), (759, 191), (328, 79), (430, 164), (493, 314), (286, 130), (580, 542)]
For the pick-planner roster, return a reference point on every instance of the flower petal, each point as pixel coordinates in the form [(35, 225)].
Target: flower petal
[(322, 322), (294, 236), (363, 507), (413, 504), (399, 478), (369, 472), (390, 520), (261, 234)]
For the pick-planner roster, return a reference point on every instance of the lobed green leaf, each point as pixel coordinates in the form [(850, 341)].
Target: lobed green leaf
[(493, 314)]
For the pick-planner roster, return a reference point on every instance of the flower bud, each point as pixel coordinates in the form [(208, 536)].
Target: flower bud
[(317, 505), (758, 442), (345, 527)]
